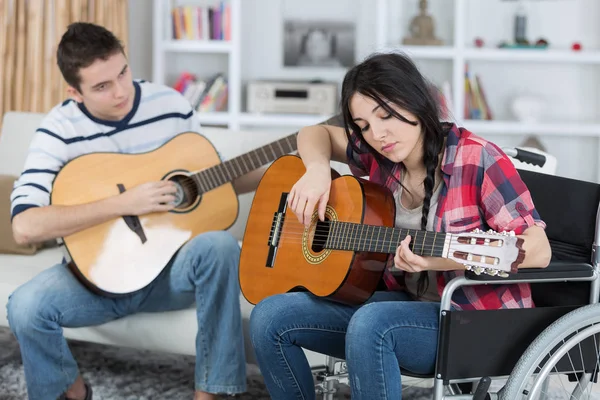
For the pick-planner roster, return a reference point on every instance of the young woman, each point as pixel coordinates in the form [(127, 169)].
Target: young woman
[(444, 178)]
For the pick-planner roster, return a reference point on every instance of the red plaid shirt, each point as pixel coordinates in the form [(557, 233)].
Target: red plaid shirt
[(482, 189)]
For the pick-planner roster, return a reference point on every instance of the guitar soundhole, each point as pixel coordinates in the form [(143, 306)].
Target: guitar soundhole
[(187, 191), (320, 235)]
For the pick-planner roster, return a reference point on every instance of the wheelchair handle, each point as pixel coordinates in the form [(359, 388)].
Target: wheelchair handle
[(526, 156)]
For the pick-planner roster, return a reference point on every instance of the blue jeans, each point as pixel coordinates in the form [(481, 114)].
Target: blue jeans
[(205, 271), (376, 339)]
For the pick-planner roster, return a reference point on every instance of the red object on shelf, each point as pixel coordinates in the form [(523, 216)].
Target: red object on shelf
[(576, 46), (479, 42)]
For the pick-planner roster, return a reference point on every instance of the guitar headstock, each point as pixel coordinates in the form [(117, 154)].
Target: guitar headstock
[(490, 252)]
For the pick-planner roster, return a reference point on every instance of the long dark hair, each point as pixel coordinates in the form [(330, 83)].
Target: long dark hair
[(393, 77)]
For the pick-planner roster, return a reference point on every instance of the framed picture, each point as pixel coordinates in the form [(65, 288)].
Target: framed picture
[(329, 44)]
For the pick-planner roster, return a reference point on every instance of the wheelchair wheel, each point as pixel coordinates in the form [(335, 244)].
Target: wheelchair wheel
[(562, 362)]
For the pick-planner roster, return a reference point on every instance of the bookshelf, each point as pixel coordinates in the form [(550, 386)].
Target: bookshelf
[(165, 47)]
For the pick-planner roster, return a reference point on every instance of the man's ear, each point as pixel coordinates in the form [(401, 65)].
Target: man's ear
[(74, 94)]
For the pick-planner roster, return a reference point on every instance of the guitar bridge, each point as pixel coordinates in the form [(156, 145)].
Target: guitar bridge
[(276, 228), (133, 221)]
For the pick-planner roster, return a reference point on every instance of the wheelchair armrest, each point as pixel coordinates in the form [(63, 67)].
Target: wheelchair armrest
[(555, 270)]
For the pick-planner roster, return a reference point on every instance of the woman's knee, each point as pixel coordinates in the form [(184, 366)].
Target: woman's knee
[(263, 318), (270, 317), (363, 324)]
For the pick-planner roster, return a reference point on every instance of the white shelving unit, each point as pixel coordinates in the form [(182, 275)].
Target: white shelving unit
[(391, 19), (460, 52)]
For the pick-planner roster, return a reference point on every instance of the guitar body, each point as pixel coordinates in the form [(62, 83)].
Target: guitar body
[(110, 258), (343, 276)]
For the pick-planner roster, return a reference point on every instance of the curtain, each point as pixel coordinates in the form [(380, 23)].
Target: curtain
[(30, 31)]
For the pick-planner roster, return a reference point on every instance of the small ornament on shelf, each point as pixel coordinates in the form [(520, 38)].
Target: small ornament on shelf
[(422, 29), (576, 46), (541, 43)]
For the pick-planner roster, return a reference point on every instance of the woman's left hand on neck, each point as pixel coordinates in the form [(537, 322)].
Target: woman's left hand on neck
[(408, 261)]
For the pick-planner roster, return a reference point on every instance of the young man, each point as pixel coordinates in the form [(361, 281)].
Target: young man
[(109, 112)]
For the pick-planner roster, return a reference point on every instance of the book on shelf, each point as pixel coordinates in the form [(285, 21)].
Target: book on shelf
[(476, 104), (191, 22), (208, 95)]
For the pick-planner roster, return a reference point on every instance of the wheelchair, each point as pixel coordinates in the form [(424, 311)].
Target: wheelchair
[(538, 353)]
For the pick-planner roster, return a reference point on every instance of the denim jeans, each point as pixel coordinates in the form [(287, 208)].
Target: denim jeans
[(376, 339), (204, 272)]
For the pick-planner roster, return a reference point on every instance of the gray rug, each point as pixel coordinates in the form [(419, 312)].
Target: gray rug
[(127, 374)]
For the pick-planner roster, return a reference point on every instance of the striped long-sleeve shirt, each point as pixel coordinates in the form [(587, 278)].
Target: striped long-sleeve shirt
[(69, 130)]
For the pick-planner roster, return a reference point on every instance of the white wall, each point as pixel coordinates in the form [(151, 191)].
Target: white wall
[(570, 91), (140, 38)]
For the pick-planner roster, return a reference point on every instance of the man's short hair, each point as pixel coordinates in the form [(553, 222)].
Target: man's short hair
[(81, 45)]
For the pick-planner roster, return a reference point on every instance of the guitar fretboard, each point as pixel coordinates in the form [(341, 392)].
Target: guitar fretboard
[(230, 170), (381, 239)]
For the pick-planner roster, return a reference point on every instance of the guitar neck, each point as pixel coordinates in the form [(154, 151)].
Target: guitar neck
[(382, 239), (230, 170)]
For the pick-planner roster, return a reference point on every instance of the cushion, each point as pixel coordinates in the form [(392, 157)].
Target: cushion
[(7, 242)]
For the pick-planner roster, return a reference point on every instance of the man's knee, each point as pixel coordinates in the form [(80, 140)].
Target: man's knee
[(214, 256), (22, 308), (218, 243), (215, 251)]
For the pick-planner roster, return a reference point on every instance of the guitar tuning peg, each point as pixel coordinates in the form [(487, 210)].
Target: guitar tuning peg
[(491, 272), (503, 274)]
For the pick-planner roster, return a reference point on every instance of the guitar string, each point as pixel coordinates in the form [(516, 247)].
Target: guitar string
[(229, 165), (417, 249), (352, 232), (375, 243), (337, 239), (323, 227), (428, 237), (426, 251), (428, 244)]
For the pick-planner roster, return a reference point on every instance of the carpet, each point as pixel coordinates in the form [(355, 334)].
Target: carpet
[(129, 374)]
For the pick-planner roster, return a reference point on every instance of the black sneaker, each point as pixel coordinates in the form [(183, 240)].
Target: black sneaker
[(88, 393)]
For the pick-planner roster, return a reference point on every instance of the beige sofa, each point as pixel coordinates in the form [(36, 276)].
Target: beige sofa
[(172, 332)]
